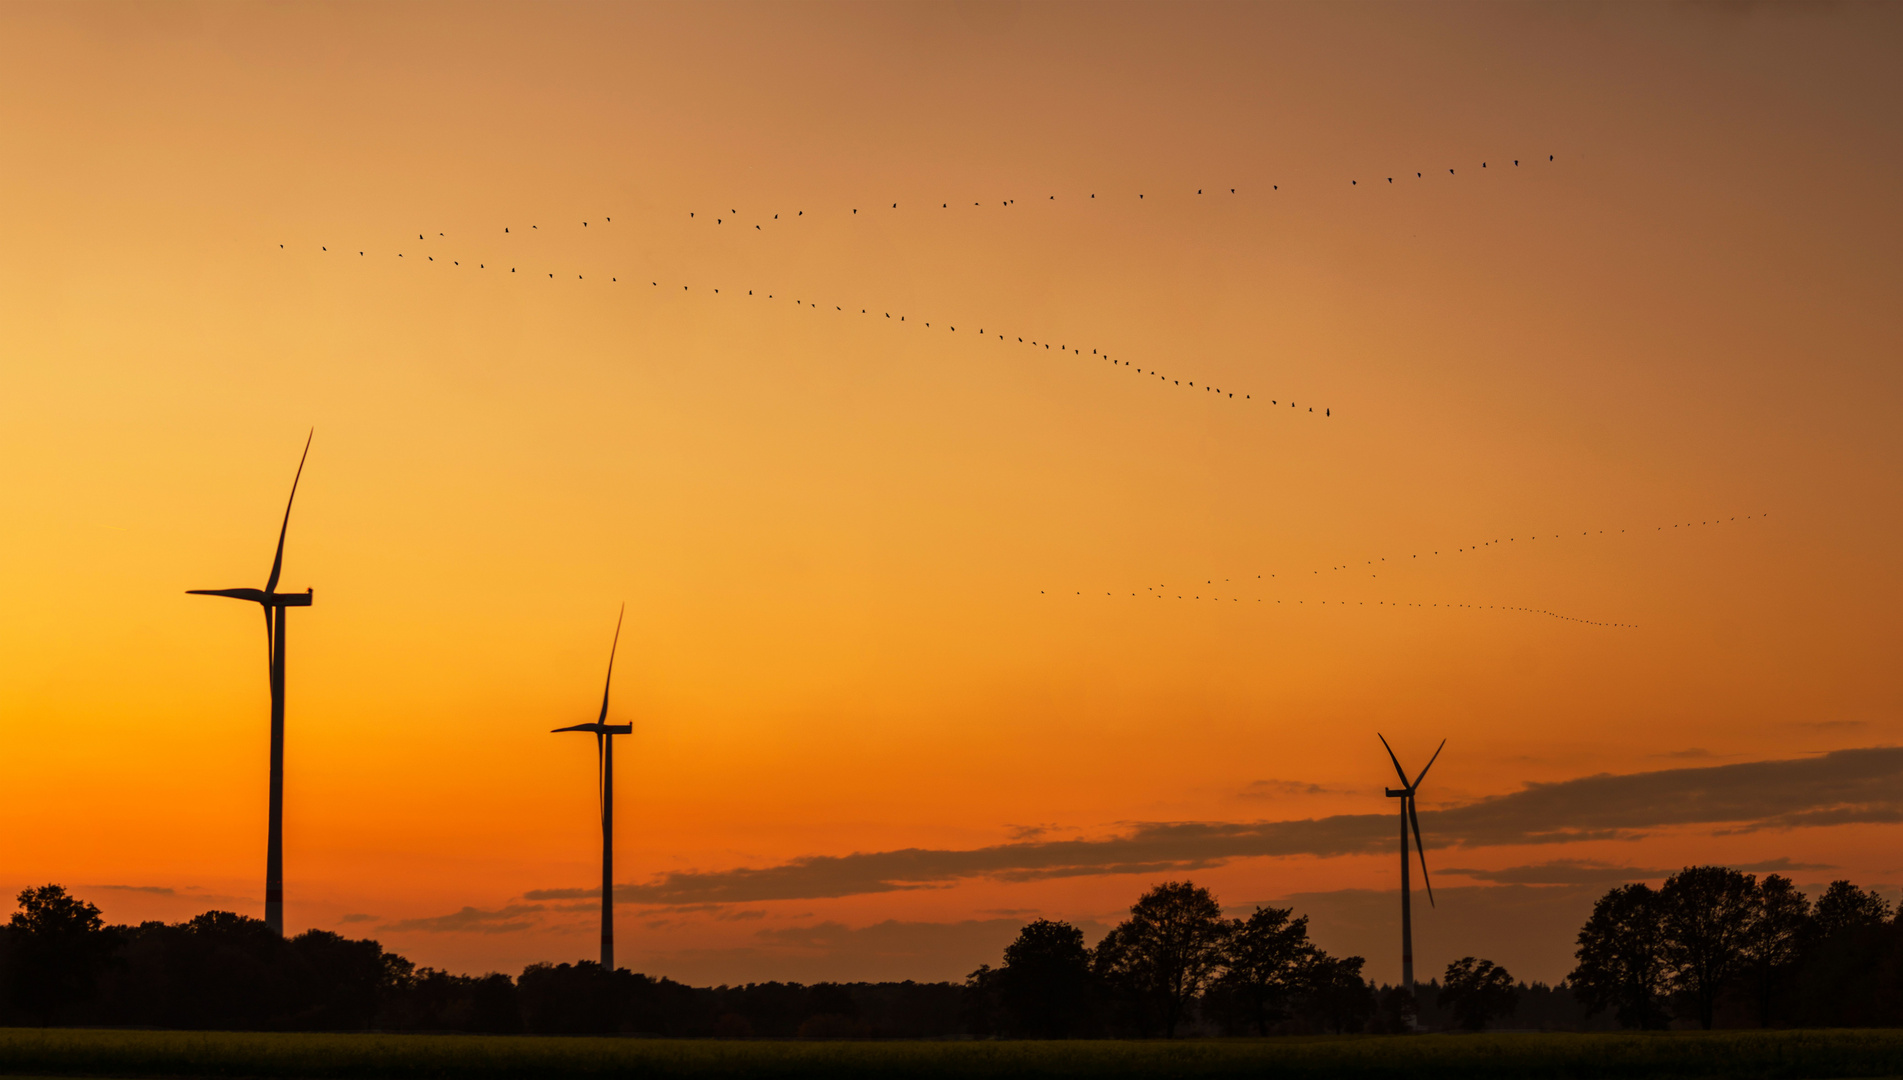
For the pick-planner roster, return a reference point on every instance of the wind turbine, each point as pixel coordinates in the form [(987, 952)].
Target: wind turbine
[(274, 603), (605, 786), (1409, 819)]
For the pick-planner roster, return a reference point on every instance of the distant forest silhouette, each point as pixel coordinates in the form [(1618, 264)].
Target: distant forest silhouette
[(1711, 947)]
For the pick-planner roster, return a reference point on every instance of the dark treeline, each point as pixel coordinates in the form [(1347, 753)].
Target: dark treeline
[(1177, 966), (1714, 947), (61, 964), (1711, 947)]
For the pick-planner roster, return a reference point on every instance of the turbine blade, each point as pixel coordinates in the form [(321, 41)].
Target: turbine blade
[(1420, 849), (611, 663), (277, 563), (252, 595), (1430, 763), (270, 643), (1397, 761)]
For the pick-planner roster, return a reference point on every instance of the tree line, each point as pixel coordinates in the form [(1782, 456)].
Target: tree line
[(1177, 966), (1711, 947), (60, 964), (1716, 947)]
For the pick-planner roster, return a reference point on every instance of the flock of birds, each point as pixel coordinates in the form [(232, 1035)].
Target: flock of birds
[(1482, 545), (1376, 562), (1147, 369), (763, 222), (902, 319), (1393, 604)]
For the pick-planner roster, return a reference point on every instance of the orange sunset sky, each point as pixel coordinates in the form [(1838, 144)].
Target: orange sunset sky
[(931, 631)]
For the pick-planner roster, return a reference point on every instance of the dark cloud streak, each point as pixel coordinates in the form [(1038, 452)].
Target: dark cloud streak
[(1842, 787)]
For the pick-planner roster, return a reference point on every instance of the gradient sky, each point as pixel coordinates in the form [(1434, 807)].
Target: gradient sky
[(905, 657)]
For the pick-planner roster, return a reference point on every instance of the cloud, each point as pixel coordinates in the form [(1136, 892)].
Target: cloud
[(1531, 931), (1035, 832), (1277, 789), (1835, 788), (1840, 787), (470, 921), (1695, 753), (187, 894), (827, 950), (1563, 872), (357, 918), (1593, 872), (1781, 866)]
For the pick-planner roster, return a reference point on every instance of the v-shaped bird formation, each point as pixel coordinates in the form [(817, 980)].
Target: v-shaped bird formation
[(1163, 592), (1375, 565), (766, 220), (975, 330), (527, 264)]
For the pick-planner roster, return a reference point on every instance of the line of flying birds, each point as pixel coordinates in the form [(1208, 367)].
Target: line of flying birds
[(1008, 338), (1062, 348), (1386, 603), (796, 216), (901, 319), (1483, 544), (1379, 560)]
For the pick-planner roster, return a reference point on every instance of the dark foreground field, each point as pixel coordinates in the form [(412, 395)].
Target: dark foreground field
[(1793, 1054)]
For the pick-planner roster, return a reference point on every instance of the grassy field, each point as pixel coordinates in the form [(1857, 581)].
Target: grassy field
[(1785, 1054)]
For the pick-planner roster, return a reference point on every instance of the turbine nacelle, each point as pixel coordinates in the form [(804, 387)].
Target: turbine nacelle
[(599, 729), (259, 596)]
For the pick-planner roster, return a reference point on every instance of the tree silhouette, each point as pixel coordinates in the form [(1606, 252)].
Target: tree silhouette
[(1044, 985), (1777, 936), (1167, 952), (979, 1008), (60, 947), (1707, 915), (1477, 991), (1266, 964), (1335, 996), (1622, 958), (1844, 906)]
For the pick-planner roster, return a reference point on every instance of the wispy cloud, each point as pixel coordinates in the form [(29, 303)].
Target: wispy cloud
[(1841, 787), (1562, 872), (1593, 872), (471, 920), (826, 950), (1782, 866), (357, 918), (1281, 789), (190, 894), (1037, 832)]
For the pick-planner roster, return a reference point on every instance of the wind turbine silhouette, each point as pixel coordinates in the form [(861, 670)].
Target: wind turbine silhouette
[(605, 786), (1410, 819), (274, 603)]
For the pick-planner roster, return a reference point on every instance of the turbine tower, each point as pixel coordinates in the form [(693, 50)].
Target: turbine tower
[(274, 603), (1410, 819), (605, 786)]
